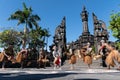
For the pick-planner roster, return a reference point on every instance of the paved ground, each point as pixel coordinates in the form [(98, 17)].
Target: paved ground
[(81, 72)]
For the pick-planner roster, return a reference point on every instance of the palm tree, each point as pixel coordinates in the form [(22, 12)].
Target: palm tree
[(46, 35), (38, 37), (25, 17)]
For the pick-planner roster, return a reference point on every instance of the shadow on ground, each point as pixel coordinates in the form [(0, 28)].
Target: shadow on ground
[(23, 76)]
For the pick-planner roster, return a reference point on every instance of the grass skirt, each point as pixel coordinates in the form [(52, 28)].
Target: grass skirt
[(72, 59), (112, 57), (88, 59)]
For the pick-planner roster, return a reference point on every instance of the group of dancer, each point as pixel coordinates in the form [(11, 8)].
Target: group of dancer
[(109, 55), (107, 52), (72, 57)]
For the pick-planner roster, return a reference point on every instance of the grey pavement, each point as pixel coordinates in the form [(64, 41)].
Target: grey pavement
[(81, 72)]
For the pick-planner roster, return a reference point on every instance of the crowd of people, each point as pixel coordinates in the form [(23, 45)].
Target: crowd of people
[(110, 56)]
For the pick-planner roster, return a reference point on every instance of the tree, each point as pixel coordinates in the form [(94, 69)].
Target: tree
[(115, 27), (37, 37), (10, 37), (25, 17), (46, 34), (117, 43)]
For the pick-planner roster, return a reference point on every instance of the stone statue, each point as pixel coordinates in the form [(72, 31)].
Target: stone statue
[(63, 22), (60, 35), (103, 25), (95, 19), (84, 16), (57, 32), (100, 31)]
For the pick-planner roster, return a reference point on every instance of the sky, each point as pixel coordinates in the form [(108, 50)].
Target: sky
[(52, 12)]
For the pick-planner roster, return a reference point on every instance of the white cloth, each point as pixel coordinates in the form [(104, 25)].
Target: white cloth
[(70, 50), (88, 50), (55, 54)]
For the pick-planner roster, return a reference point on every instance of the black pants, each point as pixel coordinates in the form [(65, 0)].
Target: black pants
[(103, 61)]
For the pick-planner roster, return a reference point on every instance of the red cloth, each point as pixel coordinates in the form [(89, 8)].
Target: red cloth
[(57, 61), (102, 47)]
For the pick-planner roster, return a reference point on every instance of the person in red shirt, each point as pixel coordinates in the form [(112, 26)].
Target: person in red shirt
[(103, 51)]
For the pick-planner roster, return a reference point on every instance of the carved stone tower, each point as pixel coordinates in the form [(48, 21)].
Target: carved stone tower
[(60, 35), (86, 36), (63, 33), (84, 16), (100, 32)]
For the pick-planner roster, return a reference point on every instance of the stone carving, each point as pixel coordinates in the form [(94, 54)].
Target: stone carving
[(103, 25), (60, 35), (57, 34), (84, 16), (100, 31), (100, 28)]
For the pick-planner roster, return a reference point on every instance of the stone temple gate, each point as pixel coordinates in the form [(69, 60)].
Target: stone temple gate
[(100, 33)]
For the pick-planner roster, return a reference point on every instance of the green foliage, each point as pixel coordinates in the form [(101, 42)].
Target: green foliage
[(115, 27), (25, 16), (117, 43), (37, 37), (93, 49), (10, 37), (33, 37)]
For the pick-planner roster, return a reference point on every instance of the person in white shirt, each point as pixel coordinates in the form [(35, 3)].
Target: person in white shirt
[(57, 59)]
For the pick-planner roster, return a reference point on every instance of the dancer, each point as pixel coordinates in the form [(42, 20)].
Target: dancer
[(113, 57), (103, 51), (72, 60), (57, 59), (87, 58)]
